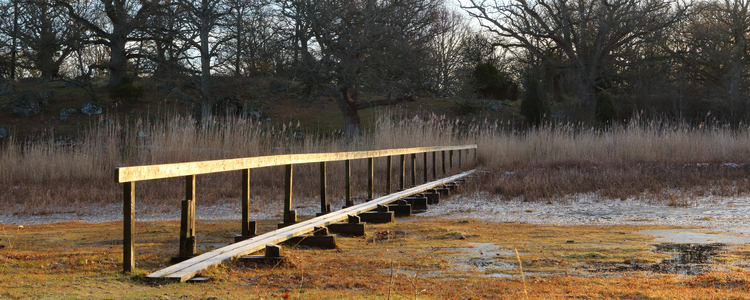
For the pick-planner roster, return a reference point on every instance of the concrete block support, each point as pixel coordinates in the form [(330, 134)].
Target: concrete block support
[(377, 217), (271, 258)]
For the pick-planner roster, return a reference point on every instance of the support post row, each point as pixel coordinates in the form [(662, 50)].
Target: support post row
[(434, 165), (290, 216), (187, 220), (443, 154), (414, 169), (247, 227), (424, 166), (324, 206), (459, 159), (370, 178), (128, 226), (450, 153), (348, 175), (402, 172), (389, 172)]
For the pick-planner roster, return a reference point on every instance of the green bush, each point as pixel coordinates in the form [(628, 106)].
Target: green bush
[(492, 84), (534, 106), (605, 110), (126, 89)]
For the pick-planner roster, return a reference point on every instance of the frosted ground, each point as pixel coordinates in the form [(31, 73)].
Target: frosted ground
[(722, 214)]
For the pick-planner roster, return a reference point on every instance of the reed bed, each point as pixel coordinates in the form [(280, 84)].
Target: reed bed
[(641, 157)]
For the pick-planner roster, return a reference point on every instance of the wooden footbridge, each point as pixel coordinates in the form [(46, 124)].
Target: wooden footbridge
[(248, 242)]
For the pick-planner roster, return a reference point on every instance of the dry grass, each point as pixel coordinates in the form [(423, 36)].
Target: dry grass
[(650, 160), (636, 143), (668, 184), (405, 260)]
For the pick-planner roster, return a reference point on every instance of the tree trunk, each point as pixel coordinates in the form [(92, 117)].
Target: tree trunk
[(118, 60), (205, 69), (736, 72), (14, 42), (240, 28), (351, 116), (46, 64), (587, 86)]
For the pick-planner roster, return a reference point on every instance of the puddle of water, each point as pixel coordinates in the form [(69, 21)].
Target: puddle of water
[(485, 249), (685, 259), (690, 253), (694, 236), (482, 258)]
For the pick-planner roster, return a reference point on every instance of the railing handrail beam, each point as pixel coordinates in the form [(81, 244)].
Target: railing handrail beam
[(149, 172)]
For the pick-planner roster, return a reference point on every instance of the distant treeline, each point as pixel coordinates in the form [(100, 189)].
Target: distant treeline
[(677, 59)]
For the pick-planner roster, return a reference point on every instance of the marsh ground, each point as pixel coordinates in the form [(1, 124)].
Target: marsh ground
[(467, 247)]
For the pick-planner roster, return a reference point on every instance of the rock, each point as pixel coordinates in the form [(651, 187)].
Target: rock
[(91, 109), (31, 103), (3, 132), (66, 112)]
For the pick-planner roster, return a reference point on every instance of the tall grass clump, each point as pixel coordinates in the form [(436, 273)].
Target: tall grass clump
[(43, 173), (48, 175), (639, 142), (652, 160)]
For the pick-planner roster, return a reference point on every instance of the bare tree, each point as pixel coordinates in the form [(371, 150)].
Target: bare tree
[(295, 26), (376, 46), (47, 37), (447, 49), (254, 43), (123, 18), (714, 46), (202, 18), (585, 37), (10, 16), (162, 46)]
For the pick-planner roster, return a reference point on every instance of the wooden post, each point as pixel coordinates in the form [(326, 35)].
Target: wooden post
[(414, 169), (475, 156), (459, 158), (187, 224), (389, 172), (370, 177), (324, 208), (424, 166), (246, 228), (450, 154), (128, 226), (348, 175), (402, 173), (290, 216), (443, 154), (434, 165)]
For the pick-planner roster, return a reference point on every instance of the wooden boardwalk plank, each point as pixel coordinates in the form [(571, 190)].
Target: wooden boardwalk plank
[(187, 269)]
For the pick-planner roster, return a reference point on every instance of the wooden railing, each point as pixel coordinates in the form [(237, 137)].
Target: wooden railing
[(129, 175)]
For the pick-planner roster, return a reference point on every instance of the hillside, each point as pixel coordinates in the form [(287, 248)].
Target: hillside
[(276, 103)]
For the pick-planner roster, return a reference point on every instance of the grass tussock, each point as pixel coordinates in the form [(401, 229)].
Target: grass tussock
[(634, 160), (76, 260)]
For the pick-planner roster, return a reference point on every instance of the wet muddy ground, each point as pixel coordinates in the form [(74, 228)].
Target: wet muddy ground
[(718, 224)]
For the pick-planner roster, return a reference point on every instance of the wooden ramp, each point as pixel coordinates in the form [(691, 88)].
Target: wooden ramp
[(189, 268)]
